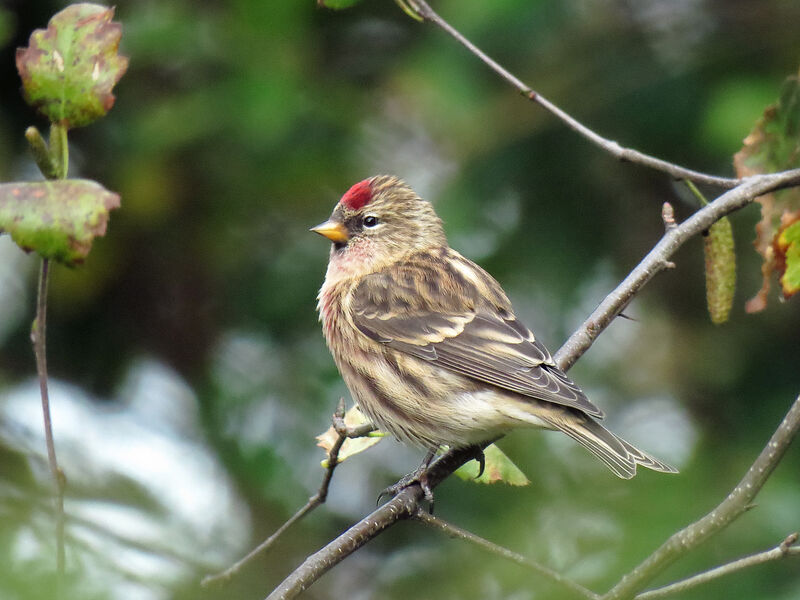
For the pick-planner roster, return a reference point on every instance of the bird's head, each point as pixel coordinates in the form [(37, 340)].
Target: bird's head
[(381, 220)]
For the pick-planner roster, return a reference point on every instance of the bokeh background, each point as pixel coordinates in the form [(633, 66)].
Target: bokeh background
[(189, 375)]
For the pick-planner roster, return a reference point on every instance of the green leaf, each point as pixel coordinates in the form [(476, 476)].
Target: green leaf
[(337, 4), (57, 219), (787, 249), (499, 468), (351, 446), (773, 145), (69, 69), (720, 270)]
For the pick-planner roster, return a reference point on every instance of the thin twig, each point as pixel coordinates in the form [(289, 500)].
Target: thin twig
[(626, 154), (39, 337), (782, 550), (225, 576), (314, 501), (736, 503), (547, 572)]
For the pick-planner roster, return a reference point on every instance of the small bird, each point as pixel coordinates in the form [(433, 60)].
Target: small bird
[(427, 341)]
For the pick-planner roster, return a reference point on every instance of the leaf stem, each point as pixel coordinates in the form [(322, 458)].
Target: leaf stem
[(697, 193)]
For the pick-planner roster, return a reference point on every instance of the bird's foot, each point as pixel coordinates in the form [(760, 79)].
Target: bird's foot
[(419, 476)]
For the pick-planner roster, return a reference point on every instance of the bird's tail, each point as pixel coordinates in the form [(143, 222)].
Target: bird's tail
[(617, 454)]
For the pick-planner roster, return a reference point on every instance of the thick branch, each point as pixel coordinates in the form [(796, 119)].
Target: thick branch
[(627, 154), (737, 502), (402, 506)]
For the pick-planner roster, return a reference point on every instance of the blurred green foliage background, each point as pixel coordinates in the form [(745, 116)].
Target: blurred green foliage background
[(189, 372)]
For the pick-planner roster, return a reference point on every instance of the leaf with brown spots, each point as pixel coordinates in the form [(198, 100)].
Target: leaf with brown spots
[(69, 69), (57, 219)]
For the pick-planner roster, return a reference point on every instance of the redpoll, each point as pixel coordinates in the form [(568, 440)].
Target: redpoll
[(427, 341)]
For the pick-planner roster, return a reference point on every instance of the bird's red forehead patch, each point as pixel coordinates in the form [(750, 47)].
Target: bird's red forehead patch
[(358, 196)]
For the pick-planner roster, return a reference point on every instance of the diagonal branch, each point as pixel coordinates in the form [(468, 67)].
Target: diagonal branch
[(784, 549), (656, 259), (403, 506), (426, 13)]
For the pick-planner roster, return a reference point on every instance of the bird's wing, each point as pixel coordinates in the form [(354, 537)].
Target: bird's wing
[(465, 325)]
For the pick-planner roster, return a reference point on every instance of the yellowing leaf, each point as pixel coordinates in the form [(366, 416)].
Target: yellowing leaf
[(352, 446), (787, 255), (58, 219), (499, 468), (773, 145), (69, 69)]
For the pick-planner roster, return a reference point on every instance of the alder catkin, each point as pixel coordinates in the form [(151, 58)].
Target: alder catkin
[(720, 270)]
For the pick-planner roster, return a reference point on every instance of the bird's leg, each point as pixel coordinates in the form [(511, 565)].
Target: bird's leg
[(420, 476), (423, 477)]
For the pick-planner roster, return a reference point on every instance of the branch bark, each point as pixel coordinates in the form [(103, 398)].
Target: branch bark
[(426, 13), (403, 506), (784, 549)]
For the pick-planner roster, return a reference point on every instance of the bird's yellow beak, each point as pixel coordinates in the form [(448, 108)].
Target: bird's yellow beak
[(334, 231)]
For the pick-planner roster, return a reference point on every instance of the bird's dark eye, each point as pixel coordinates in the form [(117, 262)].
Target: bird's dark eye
[(370, 221)]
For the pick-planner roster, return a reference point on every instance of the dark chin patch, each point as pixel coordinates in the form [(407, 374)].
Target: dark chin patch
[(339, 246)]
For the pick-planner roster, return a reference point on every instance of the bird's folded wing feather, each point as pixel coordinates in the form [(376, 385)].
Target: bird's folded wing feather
[(452, 323)]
